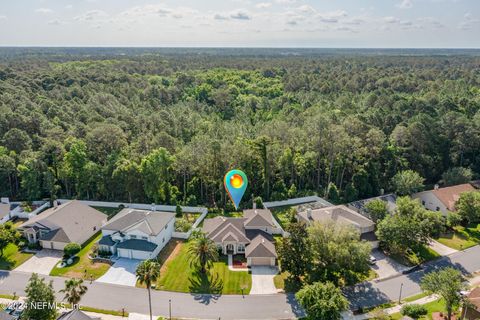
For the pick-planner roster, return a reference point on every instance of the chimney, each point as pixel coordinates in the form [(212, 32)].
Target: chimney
[(5, 200), (153, 207), (435, 187), (309, 214), (382, 192)]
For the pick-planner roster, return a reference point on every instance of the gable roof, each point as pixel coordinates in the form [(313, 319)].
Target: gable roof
[(450, 195), (340, 214), (149, 222), (260, 248), (75, 219), (137, 244), (474, 298), (75, 314), (4, 209), (258, 218), (220, 227)]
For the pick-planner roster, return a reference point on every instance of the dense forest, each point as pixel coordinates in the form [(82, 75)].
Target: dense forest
[(164, 127)]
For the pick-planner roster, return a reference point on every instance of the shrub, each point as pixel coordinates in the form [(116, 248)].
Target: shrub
[(414, 310), (71, 249), (453, 219), (182, 225)]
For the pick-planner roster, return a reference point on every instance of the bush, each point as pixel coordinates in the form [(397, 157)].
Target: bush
[(453, 219), (71, 249), (182, 225), (414, 310)]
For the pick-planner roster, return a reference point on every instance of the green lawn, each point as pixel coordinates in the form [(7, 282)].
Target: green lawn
[(415, 297), (110, 212), (83, 267), (421, 255), (177, 275), (435, 306), (12, 257), (462, 238)]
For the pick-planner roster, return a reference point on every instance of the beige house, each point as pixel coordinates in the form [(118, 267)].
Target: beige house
[(69, 222), (442, 199), (250, 235)]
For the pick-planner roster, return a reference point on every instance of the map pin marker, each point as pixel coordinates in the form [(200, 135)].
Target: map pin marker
[(235, 182)]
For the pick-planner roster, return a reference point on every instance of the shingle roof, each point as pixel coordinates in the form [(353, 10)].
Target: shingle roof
[(260, 248), (75, 314), (57, 235), (258, 218), (474, 298), (338, 213), (450, 195), (137, 244), (149, 222), (107, 241), (4, 209), (75, 218), (219, 227)]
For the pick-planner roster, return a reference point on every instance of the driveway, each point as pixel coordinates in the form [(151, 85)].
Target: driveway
[(386, 267), (262, 280), (441, 249), (42, 262), (122, 272)]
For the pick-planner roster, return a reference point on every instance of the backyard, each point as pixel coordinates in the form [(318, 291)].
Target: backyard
[(12, 257), (283, 215), (82, 266), (110, 212), (462, 238), (219, 279)]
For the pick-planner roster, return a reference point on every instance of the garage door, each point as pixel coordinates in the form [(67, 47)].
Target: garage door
[(140, 255), (124, 253), (261, 261)]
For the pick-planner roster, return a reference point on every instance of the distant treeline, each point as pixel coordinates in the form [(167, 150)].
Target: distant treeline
[(164, 125)]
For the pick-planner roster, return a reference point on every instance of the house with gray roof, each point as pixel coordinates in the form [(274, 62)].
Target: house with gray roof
[(250, 235), (76, 314), (137, 234), (72, 221), (339, 214)]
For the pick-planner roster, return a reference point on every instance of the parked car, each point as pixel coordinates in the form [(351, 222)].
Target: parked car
[(373, 260)]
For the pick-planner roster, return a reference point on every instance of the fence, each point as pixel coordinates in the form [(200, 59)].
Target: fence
[(20, 213)]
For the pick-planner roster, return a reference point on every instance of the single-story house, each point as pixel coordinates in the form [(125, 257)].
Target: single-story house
[(250, 235), (442, 199), (76, 314), (360, 205), (473, 309), (137, 234), (342, 214), (59, 225), (4, 212)]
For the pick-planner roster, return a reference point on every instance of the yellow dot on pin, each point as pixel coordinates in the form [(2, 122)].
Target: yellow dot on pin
[(236, 181)]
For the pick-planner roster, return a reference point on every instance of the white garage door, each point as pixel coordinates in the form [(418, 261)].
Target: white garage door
[(261, 261), (140, 255), (124, 253)]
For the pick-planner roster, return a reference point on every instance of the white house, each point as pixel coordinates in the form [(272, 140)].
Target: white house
[(442, 199), (4, 210), (137, 234)]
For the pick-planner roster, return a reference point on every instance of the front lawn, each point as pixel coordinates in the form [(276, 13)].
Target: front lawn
[(12, 257), (462, 238), (420, 255), (82, 266), (434, 306), (178, 275)]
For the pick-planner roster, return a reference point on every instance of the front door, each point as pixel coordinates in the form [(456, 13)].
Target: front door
[(230, 248)]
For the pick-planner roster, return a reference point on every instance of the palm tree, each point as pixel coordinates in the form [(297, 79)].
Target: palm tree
[(148, 272), (202, 251), (74, 290)]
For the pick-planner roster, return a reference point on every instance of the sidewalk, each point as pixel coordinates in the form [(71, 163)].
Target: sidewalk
[(230, 265), (441, 249)]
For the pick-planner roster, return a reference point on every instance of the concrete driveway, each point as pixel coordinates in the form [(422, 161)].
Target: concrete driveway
[(42, 262), (121, 272), (262, 280), (386, 267)]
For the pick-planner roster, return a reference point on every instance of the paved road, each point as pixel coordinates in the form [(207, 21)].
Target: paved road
[(115, 297), (375, 293)]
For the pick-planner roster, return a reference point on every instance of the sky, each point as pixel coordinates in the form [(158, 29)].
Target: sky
[(242, 23)]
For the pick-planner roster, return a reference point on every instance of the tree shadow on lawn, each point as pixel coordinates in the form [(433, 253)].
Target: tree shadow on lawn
[(205, 287), (6, 263)]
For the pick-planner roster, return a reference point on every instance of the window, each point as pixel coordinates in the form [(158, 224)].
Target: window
[(438, 208), (145, 238), (132, 236), (423, 202), (163, 240), (241, 247)]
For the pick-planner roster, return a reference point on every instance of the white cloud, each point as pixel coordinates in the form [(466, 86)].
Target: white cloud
[(391, 20), (468, 22), (286, 1), (91, 15), (405, 4), (332, 16), (219, 16), (54, 22), (68, 6), (306, 9), (263, 5), (44, 10)]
